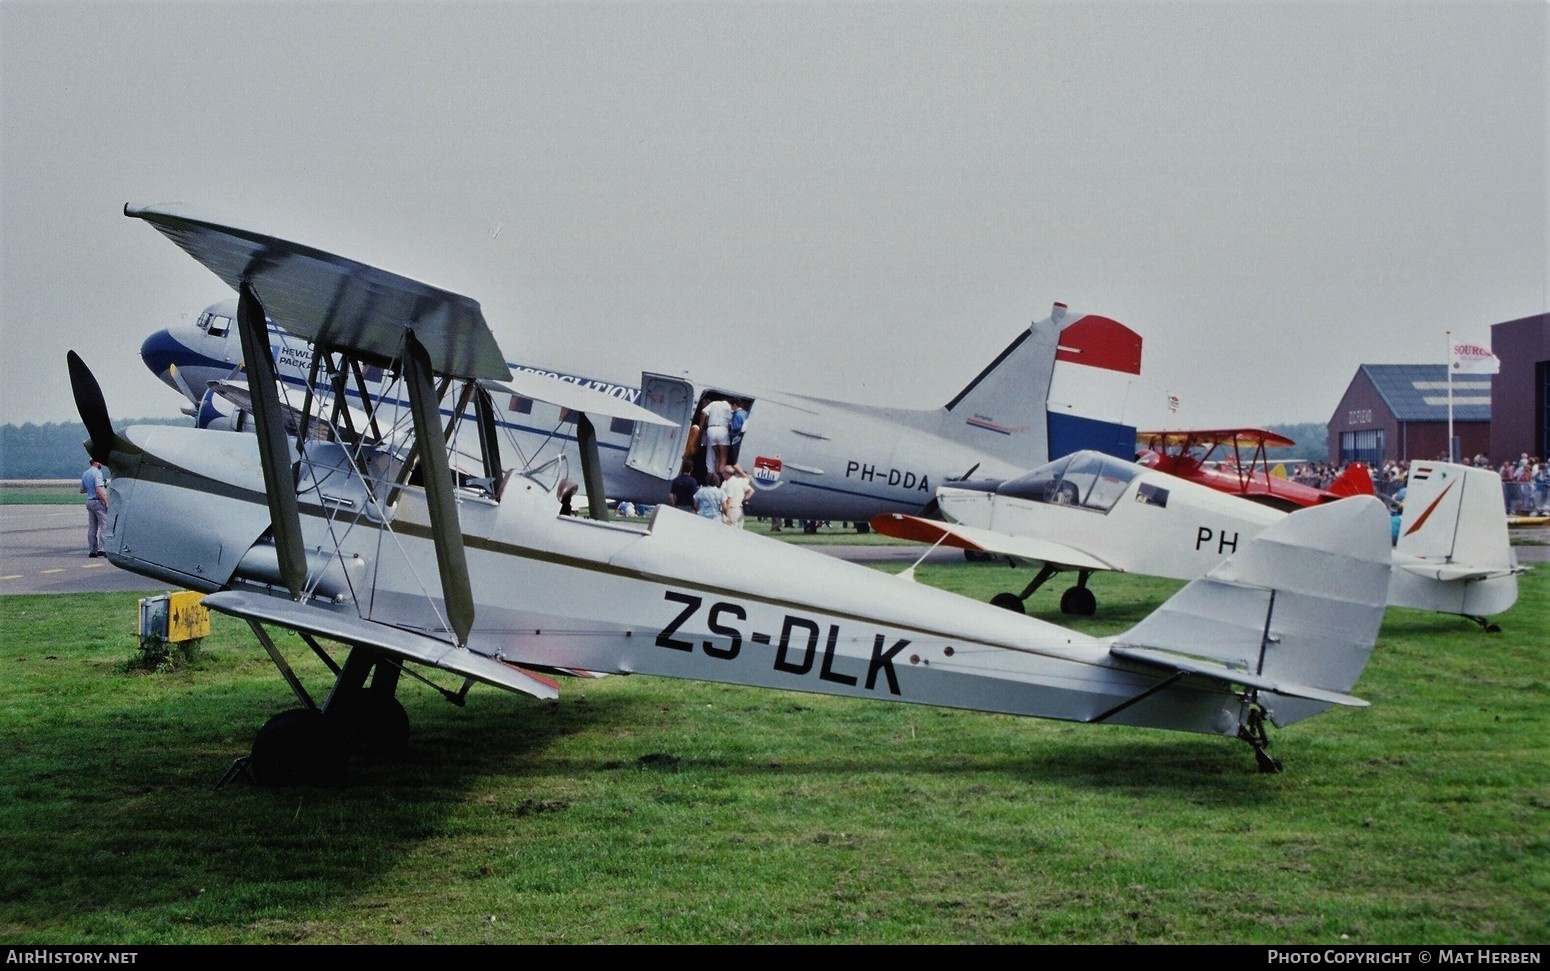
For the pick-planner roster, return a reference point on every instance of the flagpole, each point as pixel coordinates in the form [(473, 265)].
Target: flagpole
[(1448, 359)]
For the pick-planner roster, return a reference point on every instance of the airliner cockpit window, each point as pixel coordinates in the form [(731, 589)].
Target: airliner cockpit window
[(218, 325)]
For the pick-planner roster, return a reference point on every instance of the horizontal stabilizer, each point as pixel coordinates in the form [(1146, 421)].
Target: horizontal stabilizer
[(1229, 675), (901, 526), (390, 640), (1455, 572)]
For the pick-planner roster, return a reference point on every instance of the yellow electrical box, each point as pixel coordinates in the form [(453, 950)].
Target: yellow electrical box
[(175, 617), (187, 616)]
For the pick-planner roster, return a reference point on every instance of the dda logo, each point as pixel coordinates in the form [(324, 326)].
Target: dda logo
[(766, 472)]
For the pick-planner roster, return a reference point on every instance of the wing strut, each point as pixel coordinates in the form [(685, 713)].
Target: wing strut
[(436, 476), (273, 444), (591, 468)]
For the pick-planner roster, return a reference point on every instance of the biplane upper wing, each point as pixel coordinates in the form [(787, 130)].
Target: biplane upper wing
[(403, 644), (1234, 437), (958, 536), (336, 302)]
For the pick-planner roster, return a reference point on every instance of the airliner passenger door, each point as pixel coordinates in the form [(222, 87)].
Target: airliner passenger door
[(658, 450)]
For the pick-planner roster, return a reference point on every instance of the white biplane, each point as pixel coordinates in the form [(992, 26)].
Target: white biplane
[(366, 537), (1090, 512)]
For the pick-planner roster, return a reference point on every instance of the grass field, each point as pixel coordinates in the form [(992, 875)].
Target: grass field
[(646, 810), (39, 495)]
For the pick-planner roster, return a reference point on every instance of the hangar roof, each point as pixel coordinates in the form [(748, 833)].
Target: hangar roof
[(1419, 392)]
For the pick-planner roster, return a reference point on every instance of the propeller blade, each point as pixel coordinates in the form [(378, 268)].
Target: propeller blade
[(91, 406)]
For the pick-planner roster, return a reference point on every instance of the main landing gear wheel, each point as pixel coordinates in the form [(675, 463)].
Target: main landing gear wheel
[(1009, 601), (1079, 602), (378, 725), (299, 747)]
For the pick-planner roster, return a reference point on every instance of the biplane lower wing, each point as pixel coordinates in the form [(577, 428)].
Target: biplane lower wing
[(958, 536), (400, 643)]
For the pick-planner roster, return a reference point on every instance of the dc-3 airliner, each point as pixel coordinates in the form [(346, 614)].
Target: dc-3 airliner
[(356, 533), (1089, 512), (1061, 385)]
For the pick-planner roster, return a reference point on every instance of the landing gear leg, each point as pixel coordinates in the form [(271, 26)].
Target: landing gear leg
[(1018, 601), (1254, 733), (312, 745), (1485, 625)]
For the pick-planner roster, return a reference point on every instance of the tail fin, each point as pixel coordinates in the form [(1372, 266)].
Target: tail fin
[(1453, 553), (1061, 386), (1354, 481), (1293, 616)]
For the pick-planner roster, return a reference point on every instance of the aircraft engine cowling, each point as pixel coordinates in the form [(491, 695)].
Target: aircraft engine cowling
[(218, 413), (329, 576)]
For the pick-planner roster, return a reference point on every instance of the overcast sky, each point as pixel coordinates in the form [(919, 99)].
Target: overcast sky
[(865, 201)]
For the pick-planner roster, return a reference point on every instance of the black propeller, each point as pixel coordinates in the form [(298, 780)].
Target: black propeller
[(91, 406)]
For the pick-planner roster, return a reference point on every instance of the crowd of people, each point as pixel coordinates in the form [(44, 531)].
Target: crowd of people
[(1525, 484), (1525, 480)]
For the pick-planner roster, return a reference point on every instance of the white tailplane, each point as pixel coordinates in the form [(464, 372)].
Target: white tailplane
[(1452, 553)]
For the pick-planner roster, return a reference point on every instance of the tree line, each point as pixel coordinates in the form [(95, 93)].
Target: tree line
[(53, 450)]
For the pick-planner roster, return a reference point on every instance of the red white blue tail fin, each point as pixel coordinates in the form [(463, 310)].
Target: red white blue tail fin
[(1061, 386)]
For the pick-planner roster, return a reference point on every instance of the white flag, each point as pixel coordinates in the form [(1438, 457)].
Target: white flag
[(1473, 359)]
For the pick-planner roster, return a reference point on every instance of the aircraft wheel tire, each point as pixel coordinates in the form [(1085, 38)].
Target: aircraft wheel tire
[(378, 725), (297, 748), (977, 556), (1008, 601), (1079, 602)]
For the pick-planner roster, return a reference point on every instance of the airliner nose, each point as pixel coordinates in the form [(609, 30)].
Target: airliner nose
[(161, 351)]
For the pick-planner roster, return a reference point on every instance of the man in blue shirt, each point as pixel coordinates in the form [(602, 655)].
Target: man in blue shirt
[(95, 488)]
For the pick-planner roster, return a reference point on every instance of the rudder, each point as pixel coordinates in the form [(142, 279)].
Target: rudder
[(1061, 386)]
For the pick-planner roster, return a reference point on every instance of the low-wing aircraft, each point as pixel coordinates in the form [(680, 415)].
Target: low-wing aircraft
[(367, 538), (1061, 385), (1233, 460), (1090, 512)]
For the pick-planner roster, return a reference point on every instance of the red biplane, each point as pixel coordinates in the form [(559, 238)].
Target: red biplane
[(1233, 460)]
